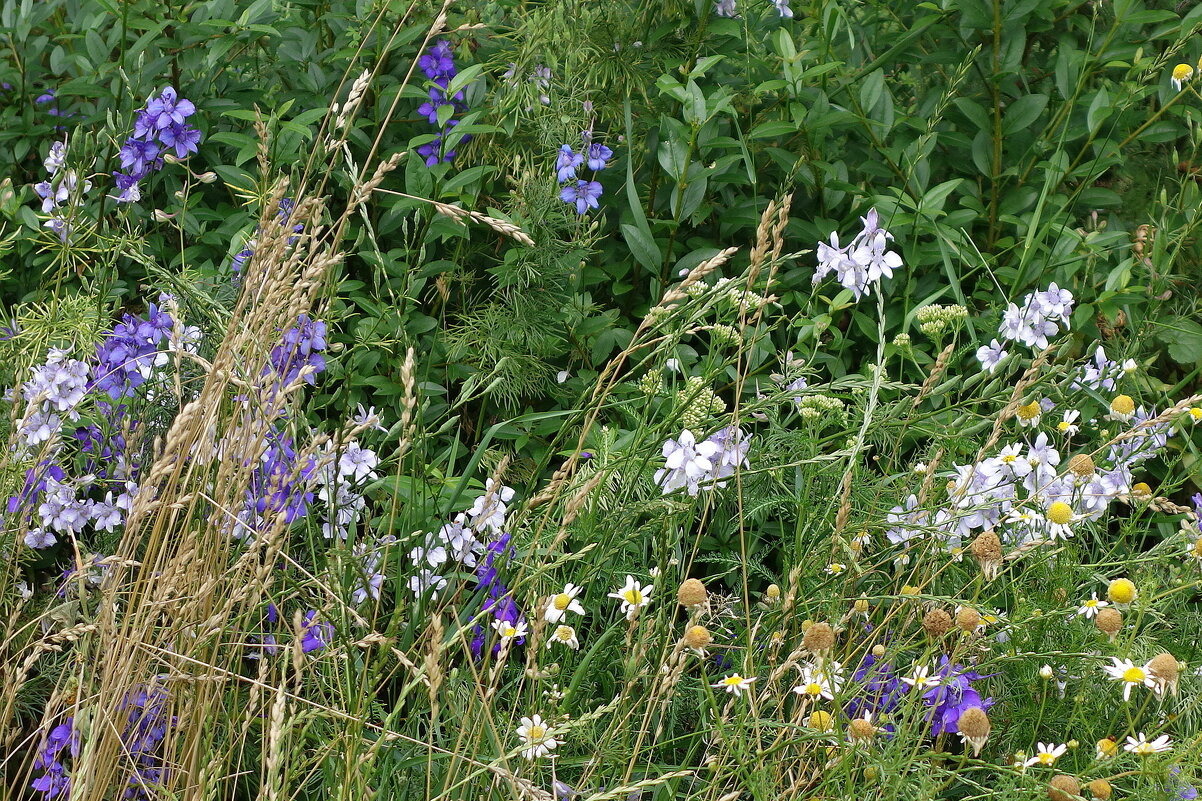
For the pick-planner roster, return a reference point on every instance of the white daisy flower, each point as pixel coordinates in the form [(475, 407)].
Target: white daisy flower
[(1141, 746), (734, 683), (922, 678), (821, 681), (1046, 754), (562, 603), (509, 631), (633, 596), (537, 737), (1068, 426), (1130, 674), (1090, 607), (565, 636)]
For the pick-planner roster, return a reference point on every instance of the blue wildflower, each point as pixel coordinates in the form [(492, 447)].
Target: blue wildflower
[(583, 195)]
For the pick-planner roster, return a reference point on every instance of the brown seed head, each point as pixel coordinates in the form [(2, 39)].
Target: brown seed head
[(975, 726), (987, 549), (860, 729), (772, 593), (1099, 789), (819, 638), (1109, 621), (968, 619), (691, 593), (698, 637), (1081, 465), (1063, 788), (1165, 670), (936, 623)]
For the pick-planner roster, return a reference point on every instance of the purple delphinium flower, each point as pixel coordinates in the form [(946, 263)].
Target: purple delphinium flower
[(128, 355), (439, 65), (583, 195), (498, 599), (566, 163), (952, 696), (54, 780), (315, 635), (598, 156), (169, 109), (300, 347), (438, 61), (138, 156), (882, 689), (146, 727), (182, 138)]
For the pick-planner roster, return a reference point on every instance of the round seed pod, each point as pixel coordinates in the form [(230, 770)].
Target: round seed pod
[(1165, 670), (975, 726), (936, 623), (1063, 788), (1099, 790), (698, 637), (691, 593), (1109, 620), (968, 619), (1081, 465), (819, 638), (860, 729)]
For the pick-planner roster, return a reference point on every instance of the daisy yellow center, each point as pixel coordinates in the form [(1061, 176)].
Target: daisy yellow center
[(1134, 675), (508, 631), (1091, 603), (1030, 411), (1108, 746), (633, 597), (536, 733), (813, 688), (1182, 72), (1122, 591), (1123, 404), (1060, 513), (1198, 547), (564, 633), (733, 681), (1046, 757), (562, 600), (1064, 425), (1195, 413), (1010, 458)]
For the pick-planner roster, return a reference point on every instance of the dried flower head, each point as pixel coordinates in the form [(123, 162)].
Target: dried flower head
[(1165, 672), (1109, 621), (772, 594), (819, 638), (974, 728), (936, 623), (861, 729), (691, 593), (968, 619), (1063, 788), (1081, 465), (698, 638), (987, 549), (1099, 790)]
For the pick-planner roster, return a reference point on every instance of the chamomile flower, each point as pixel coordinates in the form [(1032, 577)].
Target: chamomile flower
[(820, 681), (508, 631), (922, 679), (734, 683), (1068, 424), (835, 568), (565, 636), (1030, 414), (1193, 549), (1089, 607), (1181, 75), (562, 603), (633, 596), (1195, 414), (1046, 754), (1130, 674), (1122, 592), (1141, 746), (537, 737), (1122, 409), (1106, 748), (1057, 518)]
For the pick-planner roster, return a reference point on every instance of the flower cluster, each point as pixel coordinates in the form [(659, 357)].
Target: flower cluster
[(158, 127), (463, 540), (281, 483), (439, 65), (129, 354), (61, 193), (300, 349), (1031, 324), (694, 465), (861, 263), (576, 191), (53, 393), (282, 214), (54, 780), (147, 723)]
